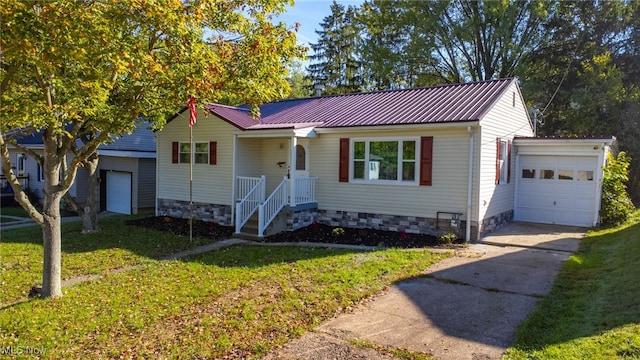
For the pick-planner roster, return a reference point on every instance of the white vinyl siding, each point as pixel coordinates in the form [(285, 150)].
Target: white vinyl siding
[(448, 192), (273, 151), (211, 184), (504, 121)]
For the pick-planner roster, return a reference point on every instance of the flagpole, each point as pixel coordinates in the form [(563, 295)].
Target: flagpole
[(191, 183)]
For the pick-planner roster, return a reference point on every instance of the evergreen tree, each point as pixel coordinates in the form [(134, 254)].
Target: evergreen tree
[(335, 64)]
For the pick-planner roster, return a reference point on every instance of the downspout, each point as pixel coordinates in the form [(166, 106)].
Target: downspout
[(469, 186), (233, 180)]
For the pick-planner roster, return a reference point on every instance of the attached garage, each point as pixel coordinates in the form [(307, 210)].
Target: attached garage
[(559, 180), (118, 192)]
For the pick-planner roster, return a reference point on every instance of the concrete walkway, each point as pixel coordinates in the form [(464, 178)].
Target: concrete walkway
[(465, 307)]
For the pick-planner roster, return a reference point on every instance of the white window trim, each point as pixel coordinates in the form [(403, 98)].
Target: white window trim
[(21, 165), (504, 161), (399, 181), (192, 152)]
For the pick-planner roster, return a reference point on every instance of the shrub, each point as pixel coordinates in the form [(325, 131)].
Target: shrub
[(616, 204), (447, 238)]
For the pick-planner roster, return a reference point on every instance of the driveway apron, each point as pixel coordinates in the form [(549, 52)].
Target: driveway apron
[(465, 307)]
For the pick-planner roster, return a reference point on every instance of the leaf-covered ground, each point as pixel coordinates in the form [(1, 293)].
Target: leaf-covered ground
[(232, 303), (314, 233)]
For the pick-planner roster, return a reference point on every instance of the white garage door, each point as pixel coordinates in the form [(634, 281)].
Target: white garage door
[(558, 189), (119, 192)]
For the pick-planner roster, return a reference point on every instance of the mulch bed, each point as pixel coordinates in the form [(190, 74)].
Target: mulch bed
[(313, 233), (201, 229)]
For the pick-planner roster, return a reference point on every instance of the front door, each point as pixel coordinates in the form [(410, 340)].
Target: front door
[(302, 158)]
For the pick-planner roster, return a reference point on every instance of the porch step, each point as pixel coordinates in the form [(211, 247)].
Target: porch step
[(247, 236)]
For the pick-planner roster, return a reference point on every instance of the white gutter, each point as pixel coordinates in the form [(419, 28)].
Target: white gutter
[(469, 185), (397, 127)]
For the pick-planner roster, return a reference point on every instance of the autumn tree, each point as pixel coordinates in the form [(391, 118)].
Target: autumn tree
[(89, 70)]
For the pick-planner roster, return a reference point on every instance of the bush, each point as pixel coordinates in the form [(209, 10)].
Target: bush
[(616, 204)]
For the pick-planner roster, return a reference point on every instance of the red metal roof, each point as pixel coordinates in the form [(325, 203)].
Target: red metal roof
[(436, 104), (429, 105), (237, 117)]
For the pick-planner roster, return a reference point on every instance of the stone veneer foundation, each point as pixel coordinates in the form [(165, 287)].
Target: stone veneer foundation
[(301, 216), (410, 224), (495, 222), (220, 214), (305, 215)]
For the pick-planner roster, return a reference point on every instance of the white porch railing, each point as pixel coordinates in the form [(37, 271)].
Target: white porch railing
[(272, 206), (251, 195), (251, 192), (305, 190)]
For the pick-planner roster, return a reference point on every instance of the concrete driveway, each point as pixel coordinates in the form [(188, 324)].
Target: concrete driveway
[(465, 307)]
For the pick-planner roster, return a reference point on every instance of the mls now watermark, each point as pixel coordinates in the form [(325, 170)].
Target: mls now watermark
[(22, 350)]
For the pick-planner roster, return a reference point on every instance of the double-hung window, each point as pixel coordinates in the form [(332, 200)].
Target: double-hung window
[(385, 160), (200, 154)]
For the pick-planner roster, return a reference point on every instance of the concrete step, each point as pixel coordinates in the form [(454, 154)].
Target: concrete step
[(247, 236)]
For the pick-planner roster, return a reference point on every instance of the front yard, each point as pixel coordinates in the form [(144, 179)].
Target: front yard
[(235, 302)]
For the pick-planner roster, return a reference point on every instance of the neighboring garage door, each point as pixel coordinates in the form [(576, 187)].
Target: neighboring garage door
[(557, 189), (119, 192)]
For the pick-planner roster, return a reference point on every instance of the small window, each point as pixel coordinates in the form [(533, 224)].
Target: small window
[(185, 153), (504, 156), (40, 173), (408, 161), (547, 174), (201, 154), (585, 175), (528, 173), (565, 174), (358, 160), (301, 160), (21, 161)]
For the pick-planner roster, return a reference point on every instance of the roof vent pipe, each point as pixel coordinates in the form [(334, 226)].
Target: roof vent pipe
[(318, 88)]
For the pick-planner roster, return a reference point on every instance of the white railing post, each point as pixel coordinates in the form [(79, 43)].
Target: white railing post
[(238, 216), (261, 225)]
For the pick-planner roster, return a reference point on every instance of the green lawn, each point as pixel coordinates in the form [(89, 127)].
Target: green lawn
[(117, 245), (235, 302), (593, 311), (13, 211)]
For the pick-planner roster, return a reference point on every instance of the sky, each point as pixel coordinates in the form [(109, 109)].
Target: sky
[(309, 13)]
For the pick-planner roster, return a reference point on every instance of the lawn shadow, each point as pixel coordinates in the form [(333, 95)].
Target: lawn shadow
[(114, 233), (255, 256)]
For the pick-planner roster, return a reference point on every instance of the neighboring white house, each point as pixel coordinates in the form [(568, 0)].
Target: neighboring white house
[(126, 169), (429, 160)]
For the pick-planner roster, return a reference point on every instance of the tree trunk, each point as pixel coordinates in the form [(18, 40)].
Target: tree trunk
[(91, 208), (52, 241)]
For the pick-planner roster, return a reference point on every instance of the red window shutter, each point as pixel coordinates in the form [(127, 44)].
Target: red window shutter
[(497, 161), (213, 153), (343, 173), (509, 161), (426, 160), (174, 152)]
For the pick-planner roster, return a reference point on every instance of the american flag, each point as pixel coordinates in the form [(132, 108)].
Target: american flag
[(191, 104)]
